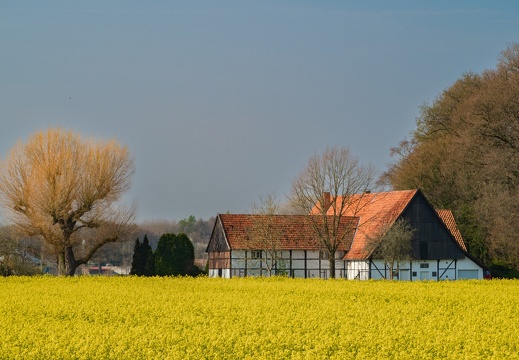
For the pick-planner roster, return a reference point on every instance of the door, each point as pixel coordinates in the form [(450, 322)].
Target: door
[(468, 274), (425, 275)]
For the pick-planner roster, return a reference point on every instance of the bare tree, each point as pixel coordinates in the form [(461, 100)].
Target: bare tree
[(17, 256), (393, 244), (56, 186), (327, 187), (264, 234)]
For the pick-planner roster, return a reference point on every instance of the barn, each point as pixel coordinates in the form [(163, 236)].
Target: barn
[(293, 249), (438, 249)]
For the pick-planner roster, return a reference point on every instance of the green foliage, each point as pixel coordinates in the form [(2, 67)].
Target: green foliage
[(503, 271), (175, 255), (149, 259), (187, 226), (137, 265), (143, 263)]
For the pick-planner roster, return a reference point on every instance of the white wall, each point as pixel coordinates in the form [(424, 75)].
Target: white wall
[(357, 270), (468, 269), (446, 269), (310, 266), (226, 273)]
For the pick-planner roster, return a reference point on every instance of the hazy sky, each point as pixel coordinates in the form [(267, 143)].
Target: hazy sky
[(223, 101)]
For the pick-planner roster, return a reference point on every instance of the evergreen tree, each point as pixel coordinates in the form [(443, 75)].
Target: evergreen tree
[(143, 262), (147, 258), (174, 255), (164, 255), (137, 263), (184, 255)]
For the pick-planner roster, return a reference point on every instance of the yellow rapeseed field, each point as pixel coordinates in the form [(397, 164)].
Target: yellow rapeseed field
[(256, 318)]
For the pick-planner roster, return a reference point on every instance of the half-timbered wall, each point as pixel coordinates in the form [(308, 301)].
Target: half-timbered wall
[(292, 263), (445, 269)]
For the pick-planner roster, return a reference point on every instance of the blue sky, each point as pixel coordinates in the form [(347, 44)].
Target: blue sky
[(223, 101)]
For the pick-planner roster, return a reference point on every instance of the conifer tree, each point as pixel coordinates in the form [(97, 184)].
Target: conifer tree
[(174, 255), (137, 264), (147, 258)]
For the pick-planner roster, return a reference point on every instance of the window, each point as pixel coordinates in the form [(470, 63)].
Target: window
[(434, 273), (255, 254), (415, 274), (424, 266)]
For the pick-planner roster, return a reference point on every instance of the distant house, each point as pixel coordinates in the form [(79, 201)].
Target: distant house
[(438, 250)]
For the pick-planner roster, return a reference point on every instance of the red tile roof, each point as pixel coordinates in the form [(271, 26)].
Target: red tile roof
[(296, 231), (369, 212), (448, 219), (376, 211)]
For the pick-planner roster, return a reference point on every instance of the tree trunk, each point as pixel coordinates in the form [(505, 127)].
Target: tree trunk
[(70, 262), (61, 263), (331, 261)]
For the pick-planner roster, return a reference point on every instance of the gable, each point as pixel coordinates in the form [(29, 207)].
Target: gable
[(432, 238), (436, 237), (376, 211), (218, 242), (449, 221)]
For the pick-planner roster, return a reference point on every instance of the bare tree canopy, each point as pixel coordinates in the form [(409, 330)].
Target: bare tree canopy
[(66, 190), (264, 233), (394, 244), (326, 188), (16, 255)]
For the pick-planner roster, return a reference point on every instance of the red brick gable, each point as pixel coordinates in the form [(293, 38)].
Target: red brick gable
[(297, 232)]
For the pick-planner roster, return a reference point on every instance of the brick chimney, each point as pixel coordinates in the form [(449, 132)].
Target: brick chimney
[(326, 200)]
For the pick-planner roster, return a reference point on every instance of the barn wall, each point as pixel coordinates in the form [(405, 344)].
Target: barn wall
[(416, 270), (357, 270), (431, 240), (411, 270), (468, 269)]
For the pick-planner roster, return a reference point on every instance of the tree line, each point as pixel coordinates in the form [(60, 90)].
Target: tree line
[(32, 255), (464, 155)]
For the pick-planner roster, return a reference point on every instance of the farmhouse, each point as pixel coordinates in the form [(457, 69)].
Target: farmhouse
[(255, 245), (252, 245)]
